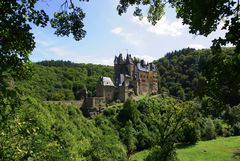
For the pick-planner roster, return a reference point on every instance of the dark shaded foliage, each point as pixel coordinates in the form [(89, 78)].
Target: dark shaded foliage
[(181, 72)]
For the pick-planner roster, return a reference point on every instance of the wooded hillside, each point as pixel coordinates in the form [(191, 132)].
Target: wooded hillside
[(63, 80)]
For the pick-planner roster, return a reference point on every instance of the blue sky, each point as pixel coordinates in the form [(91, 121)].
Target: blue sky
[(108, 34)]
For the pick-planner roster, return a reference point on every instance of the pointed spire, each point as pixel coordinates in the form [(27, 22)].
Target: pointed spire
[(129, 59), (120, 59), (116, 60)]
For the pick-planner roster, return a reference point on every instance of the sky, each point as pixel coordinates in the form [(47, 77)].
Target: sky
[(109, 34)]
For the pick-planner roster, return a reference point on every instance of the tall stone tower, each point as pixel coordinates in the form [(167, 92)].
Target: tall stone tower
[(134, 77)]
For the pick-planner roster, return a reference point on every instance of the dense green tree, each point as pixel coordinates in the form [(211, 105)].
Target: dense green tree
[(188, 73), (191, 133), (62, 80), (129, 112), (38, 131), (107, 147), (208, 130), (159, 123), (223, 77), (128, 135), (162, 153), (181, 72), (169, 119), (232, 115), (210, 106)]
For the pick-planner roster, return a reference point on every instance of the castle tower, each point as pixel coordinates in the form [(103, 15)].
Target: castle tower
[(130, 66), (116, 70), (134, 77)]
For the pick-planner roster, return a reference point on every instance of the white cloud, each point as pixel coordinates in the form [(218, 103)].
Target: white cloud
[(128, 37), (62, 53), (163, 27), (44, 43), (147, 58), (59, 52), (196, 46), (106, 61), (117, 30)]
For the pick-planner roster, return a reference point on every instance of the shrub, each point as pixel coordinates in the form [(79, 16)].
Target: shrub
[(227, 130), (129, 112), (166, 153), (236, 129), (191, 134), (219, 126), (208, 131), (232, 114), (222, 128)]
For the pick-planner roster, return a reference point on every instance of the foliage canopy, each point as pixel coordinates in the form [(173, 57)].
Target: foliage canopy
[(202, 16), (17, 40)]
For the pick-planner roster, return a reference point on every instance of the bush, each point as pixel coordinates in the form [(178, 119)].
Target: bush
[(219, 126), (107, 148), (166, 153), (129, 112), (208, 131), (227, 131), (191, 134), (236, 129), (232, 115)]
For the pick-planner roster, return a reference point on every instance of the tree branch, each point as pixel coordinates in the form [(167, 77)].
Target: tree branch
[(238, 8)]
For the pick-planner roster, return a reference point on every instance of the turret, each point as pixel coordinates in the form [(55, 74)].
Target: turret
[(152, 67), (120, 59), (116, 60), (130, 66), (129, 59)]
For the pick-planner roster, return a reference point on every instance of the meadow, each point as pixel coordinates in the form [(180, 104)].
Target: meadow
[(221, 149)]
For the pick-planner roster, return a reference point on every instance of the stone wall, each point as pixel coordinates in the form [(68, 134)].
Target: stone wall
[(93, 105), (105, 91)]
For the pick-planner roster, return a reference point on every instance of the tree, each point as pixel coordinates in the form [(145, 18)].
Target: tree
[(17, 40), (191, 133), (128, 136), (208, 131), (202, 16), (107, 146), (171, 120), (129, 112), (223, 77)]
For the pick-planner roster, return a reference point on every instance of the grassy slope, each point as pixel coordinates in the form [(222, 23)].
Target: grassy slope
[(221, 149)]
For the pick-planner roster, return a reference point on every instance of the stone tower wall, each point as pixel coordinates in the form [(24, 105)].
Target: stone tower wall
[(105, 91), (142, 80)]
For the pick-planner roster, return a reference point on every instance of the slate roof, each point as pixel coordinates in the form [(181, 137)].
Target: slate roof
[(106, 81)]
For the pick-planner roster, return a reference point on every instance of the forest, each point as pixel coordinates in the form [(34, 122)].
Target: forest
[(183, 112), (198, 97), (63, 80)]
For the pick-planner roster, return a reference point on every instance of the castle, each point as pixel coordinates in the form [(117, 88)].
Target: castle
[(132, 77)]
